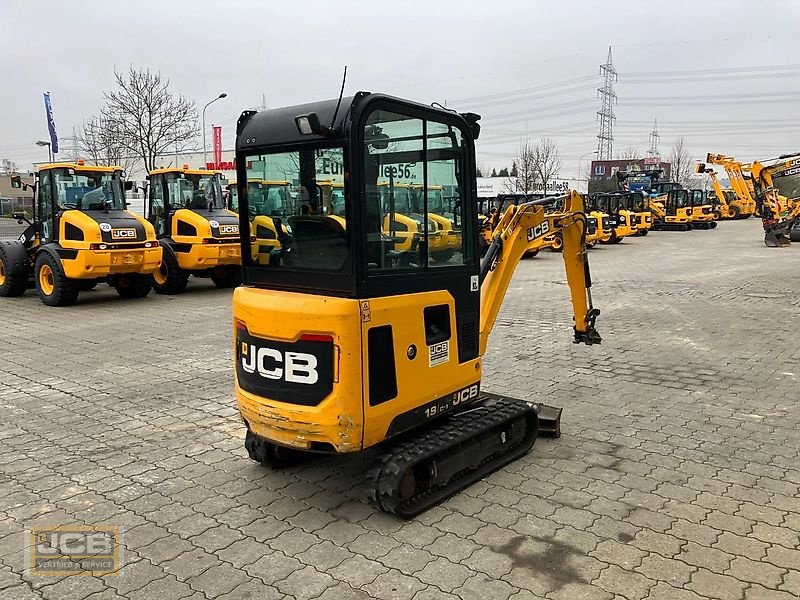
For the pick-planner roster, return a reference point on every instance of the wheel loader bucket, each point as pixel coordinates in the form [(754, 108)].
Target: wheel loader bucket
[(776, 239)]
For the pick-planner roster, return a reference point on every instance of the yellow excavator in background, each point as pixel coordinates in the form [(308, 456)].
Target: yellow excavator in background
[(702, 214), (725, 203), (348, 343), (621, 219), (780, 215), (671, 210), (739, 200)]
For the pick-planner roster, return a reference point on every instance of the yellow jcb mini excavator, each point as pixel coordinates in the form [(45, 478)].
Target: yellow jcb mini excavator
[(348, 343), (780, 224), (702, 210), (78, 235), (199, 235)]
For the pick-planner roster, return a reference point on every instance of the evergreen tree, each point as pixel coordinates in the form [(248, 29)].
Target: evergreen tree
[(494, 173), (514, 172), (503, 172)]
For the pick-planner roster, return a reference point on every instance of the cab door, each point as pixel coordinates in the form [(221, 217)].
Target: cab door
[(45, 209), (157, 212)]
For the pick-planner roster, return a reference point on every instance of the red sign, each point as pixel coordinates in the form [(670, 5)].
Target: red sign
[(223, 165), (217, 145)]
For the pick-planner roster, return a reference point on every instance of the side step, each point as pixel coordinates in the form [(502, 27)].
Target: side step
[(427, 467)]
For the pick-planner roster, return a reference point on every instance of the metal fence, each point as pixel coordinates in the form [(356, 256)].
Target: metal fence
[(9, 229)]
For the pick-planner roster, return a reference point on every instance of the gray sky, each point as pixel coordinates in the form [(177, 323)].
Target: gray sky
[(473, 55)]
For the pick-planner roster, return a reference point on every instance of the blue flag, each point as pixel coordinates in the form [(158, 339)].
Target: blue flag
[(51, 124)]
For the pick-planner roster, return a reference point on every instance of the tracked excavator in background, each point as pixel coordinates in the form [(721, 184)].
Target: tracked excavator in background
[(736, 202), (346, 343), (780, 215)]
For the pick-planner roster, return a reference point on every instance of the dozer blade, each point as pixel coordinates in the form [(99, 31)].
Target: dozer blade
[(549, 420), (427, 467), (776, 239)]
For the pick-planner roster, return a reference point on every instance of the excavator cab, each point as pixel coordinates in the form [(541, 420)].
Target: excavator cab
[(702, 210), (349, 339), (621, 219)]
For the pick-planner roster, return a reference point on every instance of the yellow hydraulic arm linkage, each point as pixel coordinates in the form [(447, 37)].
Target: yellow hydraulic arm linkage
[(518, 227)]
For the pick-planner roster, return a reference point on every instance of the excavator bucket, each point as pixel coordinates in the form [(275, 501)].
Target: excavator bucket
[(776, 239)]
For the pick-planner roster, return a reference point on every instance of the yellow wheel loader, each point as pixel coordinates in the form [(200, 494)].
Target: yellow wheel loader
[(268, 199), (79, 235), (349, 344), (199, 236)]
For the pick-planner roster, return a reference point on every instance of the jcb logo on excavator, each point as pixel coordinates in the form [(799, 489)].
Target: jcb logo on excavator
[(123, 234), (228, 229), (468, 393), (538, 231), (294, 367)]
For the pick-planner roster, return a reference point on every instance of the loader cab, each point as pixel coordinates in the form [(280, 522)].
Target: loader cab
[(172, 190), (62, 187)]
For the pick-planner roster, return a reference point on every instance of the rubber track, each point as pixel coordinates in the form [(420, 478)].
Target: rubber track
[(392, 465)]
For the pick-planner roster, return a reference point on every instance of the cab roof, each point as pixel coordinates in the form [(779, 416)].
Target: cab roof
[(185, 171), (276, 126), (80, 167)]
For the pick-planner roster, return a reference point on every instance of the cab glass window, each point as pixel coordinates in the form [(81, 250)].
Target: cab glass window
[(82, 190), (414, 193), (194, 191), (296, 205)]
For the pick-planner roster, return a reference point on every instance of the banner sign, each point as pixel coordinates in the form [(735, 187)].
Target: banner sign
[(51, 124), (217, 145)]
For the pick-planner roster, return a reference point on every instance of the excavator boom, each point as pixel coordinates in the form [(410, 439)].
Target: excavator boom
[(517, 228)]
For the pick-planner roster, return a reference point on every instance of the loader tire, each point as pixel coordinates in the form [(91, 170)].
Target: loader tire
[(133, 285), (13, 269), (170, 278), (54, 287), (735, 212), (227, 277)]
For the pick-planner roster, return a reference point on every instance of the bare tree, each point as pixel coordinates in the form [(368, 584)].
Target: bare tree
[(146, 117), (546, 162), (682, 164), (630, 153), (104, 145), (524, 170)]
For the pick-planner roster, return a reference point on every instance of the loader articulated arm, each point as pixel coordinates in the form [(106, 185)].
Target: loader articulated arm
[(516, 229)]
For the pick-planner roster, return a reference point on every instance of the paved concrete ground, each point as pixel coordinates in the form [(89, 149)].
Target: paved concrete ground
[(677, 476)]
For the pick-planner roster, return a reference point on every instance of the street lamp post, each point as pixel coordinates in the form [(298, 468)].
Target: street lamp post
[(49, 149), (220, 97), (588, 176)]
